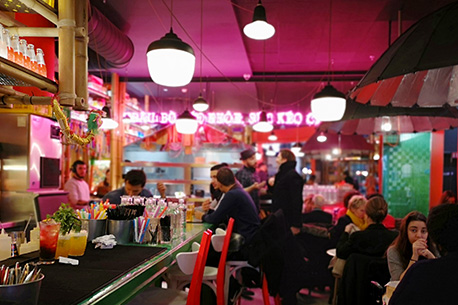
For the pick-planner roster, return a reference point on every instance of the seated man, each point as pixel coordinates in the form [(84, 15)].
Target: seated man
[(314, 213), (236, 203), (433, 281), (134, 183)]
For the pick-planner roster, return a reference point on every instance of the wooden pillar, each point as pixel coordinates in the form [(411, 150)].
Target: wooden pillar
[(118, 91), (436, 168), (66, 27)]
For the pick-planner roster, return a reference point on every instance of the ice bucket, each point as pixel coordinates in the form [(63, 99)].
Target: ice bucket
[(96, 228), (21, 294), (121, 229)]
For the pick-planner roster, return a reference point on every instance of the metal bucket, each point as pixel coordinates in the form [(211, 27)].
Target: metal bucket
[(21, 294), (95, 228), (121, 229)]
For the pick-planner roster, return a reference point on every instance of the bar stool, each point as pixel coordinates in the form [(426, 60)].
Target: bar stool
[(159, 296)]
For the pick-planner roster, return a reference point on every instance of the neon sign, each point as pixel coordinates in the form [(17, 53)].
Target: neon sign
[(224, 118)]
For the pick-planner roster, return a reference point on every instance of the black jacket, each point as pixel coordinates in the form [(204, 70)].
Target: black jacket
[(373, 241), (287, 194)]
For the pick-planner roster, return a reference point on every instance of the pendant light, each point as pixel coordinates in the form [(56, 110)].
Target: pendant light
[(272, 137), (296, 149), (186, 123), (171, 61), (263, 125), (107, 122), (200, 104), (259, 29), (321, 137), (329, 104)]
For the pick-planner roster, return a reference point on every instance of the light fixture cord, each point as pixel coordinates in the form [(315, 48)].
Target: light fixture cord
[(329, 43), (201, 39), (171, 14)]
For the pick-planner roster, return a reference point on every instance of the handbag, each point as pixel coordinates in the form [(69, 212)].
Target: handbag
[(338, 268)]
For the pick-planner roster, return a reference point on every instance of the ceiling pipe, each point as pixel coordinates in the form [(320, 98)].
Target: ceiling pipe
[(108, 41), (25, 100)]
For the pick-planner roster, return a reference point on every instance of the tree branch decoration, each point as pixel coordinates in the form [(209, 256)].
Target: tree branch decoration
[(94, 121)]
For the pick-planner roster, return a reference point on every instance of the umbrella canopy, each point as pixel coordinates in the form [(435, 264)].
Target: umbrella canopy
[(419, 68), (347, 143), (398, 124)]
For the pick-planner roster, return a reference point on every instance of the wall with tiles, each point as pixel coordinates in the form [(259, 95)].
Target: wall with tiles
[(406, 173)]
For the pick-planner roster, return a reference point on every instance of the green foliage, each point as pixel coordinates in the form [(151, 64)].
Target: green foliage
[(67, 218)]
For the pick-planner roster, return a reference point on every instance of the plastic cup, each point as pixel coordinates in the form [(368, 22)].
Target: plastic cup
[(190, 212), (49, 234), (78, 243), (63, 245)]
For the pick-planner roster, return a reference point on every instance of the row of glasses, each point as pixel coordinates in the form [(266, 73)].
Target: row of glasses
[(53, 244)]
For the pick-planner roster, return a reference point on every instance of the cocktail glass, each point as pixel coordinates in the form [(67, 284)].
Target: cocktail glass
[(78, 241), (63, 245), (49, 234)]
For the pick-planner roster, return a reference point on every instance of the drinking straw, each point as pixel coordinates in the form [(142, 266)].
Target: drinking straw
[(144, 231), (140, 235), (27, 225), (135, 231), (163, 211)]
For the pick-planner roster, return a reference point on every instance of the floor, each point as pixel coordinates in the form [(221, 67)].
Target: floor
[(316, 298)]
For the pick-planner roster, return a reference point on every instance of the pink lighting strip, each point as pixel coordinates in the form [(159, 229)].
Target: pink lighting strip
[(225, 118)]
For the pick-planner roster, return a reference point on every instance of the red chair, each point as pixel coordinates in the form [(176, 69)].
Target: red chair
[(221, 277), (159, 296)]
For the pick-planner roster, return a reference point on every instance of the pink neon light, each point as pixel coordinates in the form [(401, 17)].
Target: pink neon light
[(225, 118)]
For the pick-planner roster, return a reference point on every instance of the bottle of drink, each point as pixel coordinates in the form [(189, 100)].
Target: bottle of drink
[(182, 208), (41, 63), (33, 58), (3, 47), (9, 47), (18, 56), (23, 50)]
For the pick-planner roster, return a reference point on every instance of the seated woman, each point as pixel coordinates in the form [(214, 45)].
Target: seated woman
[(374, 240), (355, 215), (410, 245)]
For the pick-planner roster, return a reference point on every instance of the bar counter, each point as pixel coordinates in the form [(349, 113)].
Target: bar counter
[(109, 276), (126, 287)]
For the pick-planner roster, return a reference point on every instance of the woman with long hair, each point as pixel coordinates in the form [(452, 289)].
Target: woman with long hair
[(410, 245)]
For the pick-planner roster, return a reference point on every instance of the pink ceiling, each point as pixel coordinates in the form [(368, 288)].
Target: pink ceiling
[(294, 65)]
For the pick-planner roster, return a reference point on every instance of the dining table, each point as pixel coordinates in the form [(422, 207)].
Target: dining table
[(109, 276)]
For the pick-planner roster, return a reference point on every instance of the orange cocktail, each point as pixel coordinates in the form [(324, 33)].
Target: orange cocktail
[(78, 243), (63, 245)]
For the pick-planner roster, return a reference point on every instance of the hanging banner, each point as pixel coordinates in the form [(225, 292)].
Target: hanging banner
[(224, 118)]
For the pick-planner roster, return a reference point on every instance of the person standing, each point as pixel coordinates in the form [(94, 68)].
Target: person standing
[(247, 176), (287, 190), (77, 188)]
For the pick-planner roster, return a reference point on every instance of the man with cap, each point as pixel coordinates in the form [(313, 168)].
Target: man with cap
[(247, 175)]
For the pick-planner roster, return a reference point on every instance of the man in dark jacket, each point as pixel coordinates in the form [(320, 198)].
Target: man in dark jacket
[(287, 190), (237, 204)]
